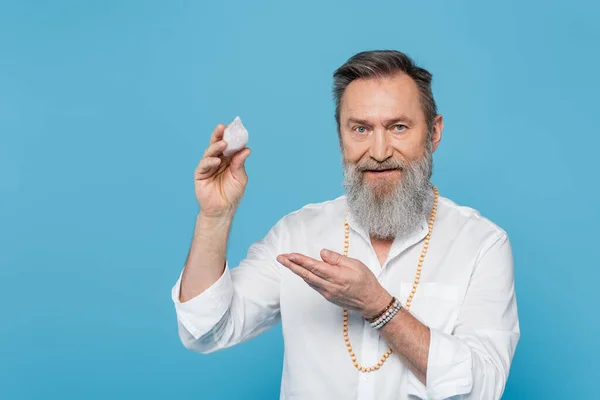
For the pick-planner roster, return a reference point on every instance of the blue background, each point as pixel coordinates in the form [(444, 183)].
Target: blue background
[(106, 108)]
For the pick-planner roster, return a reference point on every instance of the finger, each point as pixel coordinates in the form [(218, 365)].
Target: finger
[(215, 149), (333, 258), (207, 167), (238, 164), (217, 133), (318, 268), (310, 278)]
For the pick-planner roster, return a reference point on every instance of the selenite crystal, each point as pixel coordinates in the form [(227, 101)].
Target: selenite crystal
[(236, 137)]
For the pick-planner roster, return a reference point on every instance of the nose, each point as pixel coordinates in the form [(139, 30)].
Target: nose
[(381, 148)]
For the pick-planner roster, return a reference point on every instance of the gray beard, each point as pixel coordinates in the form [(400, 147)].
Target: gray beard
[(387, 210)]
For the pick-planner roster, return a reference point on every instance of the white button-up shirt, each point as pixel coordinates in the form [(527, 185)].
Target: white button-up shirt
[(465, 296)]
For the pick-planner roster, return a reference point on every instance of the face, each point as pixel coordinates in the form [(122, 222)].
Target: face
[(387, 154), (383, 126)]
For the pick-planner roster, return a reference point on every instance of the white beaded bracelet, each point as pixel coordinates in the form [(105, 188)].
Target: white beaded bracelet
[(387, 316)]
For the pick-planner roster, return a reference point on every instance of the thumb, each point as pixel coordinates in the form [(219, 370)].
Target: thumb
[(333, 258), (237, 163)]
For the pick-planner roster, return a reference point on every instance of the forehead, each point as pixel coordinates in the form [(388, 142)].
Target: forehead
[(381, 98)]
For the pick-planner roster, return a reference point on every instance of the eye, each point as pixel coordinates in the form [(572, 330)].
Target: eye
[(399, 128), (360, 129)]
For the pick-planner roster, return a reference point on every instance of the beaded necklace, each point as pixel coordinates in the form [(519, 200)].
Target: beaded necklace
[(388, 353)]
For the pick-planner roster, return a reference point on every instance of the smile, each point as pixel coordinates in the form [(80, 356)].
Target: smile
[(382, 173)]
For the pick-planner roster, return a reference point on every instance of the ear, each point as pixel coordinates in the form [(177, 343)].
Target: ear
[(438, 127)]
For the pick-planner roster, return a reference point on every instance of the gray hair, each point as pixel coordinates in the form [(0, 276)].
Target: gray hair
[(384, 64)]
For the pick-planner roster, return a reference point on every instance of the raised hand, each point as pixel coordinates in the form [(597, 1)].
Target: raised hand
[(220, 181)]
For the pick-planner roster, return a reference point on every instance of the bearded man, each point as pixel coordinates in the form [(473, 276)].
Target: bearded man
[(388, 292)]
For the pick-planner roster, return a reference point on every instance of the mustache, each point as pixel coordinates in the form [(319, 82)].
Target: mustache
[(372, 165)]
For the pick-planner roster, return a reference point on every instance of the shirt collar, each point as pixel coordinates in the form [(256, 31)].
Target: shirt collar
[(402, 243), (358, 228)]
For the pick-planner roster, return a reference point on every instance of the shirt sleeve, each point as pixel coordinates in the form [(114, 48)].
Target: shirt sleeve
[(241, 304), (474, 361)]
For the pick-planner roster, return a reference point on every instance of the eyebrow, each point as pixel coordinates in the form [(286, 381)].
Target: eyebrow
[(402, 118)]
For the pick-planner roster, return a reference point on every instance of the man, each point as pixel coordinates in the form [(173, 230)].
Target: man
[(388, 292)]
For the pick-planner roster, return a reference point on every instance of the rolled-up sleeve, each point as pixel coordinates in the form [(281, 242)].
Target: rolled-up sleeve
[(201, 313), (474, 361), (242, 303)]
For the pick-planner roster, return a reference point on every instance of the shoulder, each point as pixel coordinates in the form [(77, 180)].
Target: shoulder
[(314, 218), (329, 209), (469, 222)]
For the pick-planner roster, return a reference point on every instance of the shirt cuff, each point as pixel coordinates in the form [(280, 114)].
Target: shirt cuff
[(201, 314), (449, 366)]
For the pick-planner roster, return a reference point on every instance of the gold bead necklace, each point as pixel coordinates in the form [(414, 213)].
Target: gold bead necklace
[(410, 296)]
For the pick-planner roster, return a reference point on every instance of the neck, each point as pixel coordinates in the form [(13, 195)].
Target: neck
[(382, 248), (379, 241)]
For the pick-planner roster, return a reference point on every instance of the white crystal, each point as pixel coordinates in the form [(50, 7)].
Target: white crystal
[(236, 137)]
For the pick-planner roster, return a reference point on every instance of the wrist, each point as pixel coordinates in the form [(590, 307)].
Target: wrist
[(378, 305), (220, 218), (388, 315)]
